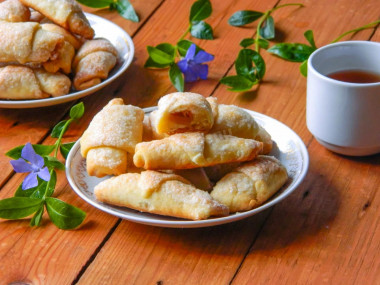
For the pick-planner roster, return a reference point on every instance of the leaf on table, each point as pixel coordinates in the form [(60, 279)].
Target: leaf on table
[(201, 30), (292, 51), (65, 149), (183, 46), (263, 43), (303, 68), (28, 192), (63, 215), (163, 54), (40, 149), (77, 111), (237, 83), (96, 3), (176, 77), (310, 38), (200, 10), (53, 162), (244, 17), (259, 63), (18, 207), (247, 42), (36, 220), (267, 31), (244, 66), (152, 64), (56, 132), (126, 10)]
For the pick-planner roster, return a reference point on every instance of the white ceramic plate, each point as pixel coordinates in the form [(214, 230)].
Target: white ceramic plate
[(288, 148), (104, 29)]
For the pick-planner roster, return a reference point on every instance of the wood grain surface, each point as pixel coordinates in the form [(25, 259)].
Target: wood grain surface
[(326, 232)]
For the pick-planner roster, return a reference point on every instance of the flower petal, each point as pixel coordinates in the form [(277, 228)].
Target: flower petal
[(201, 70), (191, 52), (30, 181), (21, 166), (182, 65), (202, 57), (44, 174), (29, 154), (190, 75)]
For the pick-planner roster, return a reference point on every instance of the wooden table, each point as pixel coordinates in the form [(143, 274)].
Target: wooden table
[(326, 232)]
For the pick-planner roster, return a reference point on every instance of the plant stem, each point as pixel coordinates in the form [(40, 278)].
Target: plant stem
[(48, 184), (265, 16), (185, 33), (285, 5), (368, 26), (59, 140), (257, 36)]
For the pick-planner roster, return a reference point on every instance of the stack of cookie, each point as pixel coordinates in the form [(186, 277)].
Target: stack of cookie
[(191, 158), (46, 46)]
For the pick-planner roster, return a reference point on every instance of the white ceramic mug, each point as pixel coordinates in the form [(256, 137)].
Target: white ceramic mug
[(344, 117)]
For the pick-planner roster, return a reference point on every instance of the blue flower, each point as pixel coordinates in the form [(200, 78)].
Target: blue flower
[(35, 167), (191, 66)]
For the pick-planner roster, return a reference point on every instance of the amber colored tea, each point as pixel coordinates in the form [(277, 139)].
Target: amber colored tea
[(355, 76)]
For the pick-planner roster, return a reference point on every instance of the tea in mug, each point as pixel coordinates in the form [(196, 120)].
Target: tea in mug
[(355, 76)]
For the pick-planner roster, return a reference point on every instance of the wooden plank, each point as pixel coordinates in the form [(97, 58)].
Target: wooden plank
[(139, 254), (47, 255), (282, 95), (328, 230)]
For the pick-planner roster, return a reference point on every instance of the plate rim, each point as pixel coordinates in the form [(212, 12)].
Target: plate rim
[(199, 223), (25, 104)]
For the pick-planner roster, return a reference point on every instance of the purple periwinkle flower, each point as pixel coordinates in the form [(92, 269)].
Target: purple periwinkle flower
[(191, 65), (31, 162)]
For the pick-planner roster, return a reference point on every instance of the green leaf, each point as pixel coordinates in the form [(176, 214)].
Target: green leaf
[(126, 10), (53, 162), (243, 64), (244, 17), (18, 207), (151, 64), (36, 220), (303, 68), (244, 67), (310, 38), (292, 51), (40, 149), (25, 193), (96, 3), (201, 30), (259, 63), (267, 30), (183, 46), (44, 188), (200, 10), (56, 132), (63, 215), (237, 83), (77, 111), (176, 78), (263, 43), (40, 190), (247, 42), (65, 149), (162, 54)]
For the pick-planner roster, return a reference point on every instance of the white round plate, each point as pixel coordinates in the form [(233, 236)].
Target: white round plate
[(103, 29), (288, 148)]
